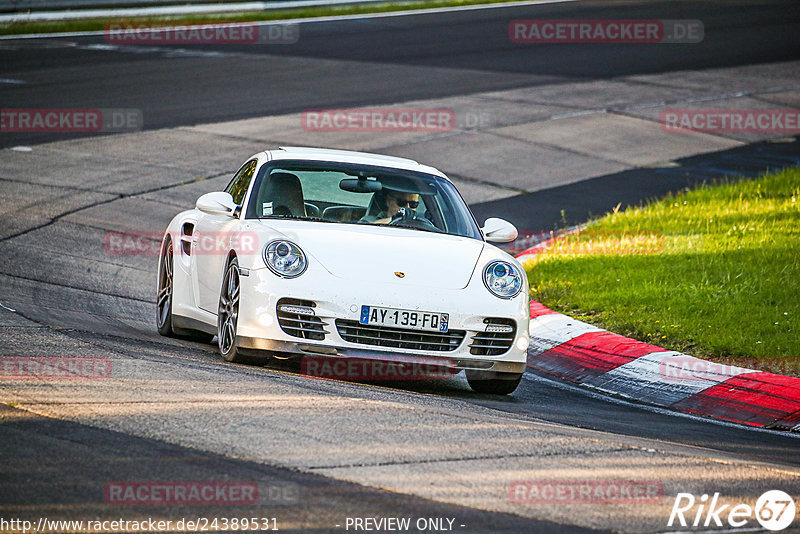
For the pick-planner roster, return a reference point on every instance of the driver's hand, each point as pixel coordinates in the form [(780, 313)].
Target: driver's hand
[(403, 213)]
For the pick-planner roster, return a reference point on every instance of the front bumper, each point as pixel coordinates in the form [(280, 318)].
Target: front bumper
[(468, 309), (300, 348)]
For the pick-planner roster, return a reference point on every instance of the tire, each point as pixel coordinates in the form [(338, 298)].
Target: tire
[(228, 318), (492, 382), (164, 294), (164, 298)]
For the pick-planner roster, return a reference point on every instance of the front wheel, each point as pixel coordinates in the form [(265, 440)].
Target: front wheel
[(228, 318), (492, 382)]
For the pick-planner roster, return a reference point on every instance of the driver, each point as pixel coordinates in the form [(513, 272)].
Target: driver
[(389, 202)]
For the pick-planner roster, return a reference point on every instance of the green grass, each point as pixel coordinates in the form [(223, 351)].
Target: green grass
[(713, 272), (99, 24)]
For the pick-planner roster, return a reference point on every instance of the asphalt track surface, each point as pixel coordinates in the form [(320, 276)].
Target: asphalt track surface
[(377, 61), (57, 465)]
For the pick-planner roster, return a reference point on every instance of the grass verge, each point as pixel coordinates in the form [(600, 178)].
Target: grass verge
[(99, 24), (713, 272)]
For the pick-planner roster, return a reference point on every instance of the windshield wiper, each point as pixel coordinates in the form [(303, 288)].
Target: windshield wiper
[(405, 226), (296, 218)]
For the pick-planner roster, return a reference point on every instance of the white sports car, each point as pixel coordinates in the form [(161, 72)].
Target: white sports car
[(336, 254)]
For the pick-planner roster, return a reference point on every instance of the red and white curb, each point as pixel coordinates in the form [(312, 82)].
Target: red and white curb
[(582, 354)]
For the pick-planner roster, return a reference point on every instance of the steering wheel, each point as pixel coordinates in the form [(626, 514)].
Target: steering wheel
[(414, 222)]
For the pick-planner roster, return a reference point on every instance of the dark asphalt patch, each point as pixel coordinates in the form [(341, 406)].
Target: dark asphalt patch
[(58, 469), (581, 201)]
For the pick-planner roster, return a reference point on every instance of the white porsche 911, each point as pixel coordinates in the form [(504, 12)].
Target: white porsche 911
[(337, 254)]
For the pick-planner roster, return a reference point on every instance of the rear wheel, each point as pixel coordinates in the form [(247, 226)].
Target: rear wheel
[(228, 319), (493, 382), (164, 299), (164, 295)]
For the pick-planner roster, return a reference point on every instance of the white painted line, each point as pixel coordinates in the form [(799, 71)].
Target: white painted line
[(11, 81), (523, 258), (560, 327), (165, 51), (164, 10), (330, 18), (433, 11), (581, 113), (552, 330)]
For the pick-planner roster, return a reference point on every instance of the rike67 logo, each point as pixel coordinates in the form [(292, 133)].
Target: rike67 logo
[(774, 510)]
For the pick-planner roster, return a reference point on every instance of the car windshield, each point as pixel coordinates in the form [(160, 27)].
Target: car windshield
[(359, 194)]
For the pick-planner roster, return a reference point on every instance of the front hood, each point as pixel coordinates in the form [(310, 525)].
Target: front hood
[(374, 254)]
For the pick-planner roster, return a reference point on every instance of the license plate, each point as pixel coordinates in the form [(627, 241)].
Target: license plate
[(416, 320)]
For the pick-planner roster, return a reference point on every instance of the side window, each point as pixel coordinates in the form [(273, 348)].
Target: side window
[(241, 181)]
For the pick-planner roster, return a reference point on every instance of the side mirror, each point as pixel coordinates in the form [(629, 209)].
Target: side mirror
[(498, 231), (217, 203)]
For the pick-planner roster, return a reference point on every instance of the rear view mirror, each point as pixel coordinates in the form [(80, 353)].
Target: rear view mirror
[(360, 185)]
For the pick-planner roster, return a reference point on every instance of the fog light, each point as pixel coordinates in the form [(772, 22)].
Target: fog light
[(522, 343), (265, 320)]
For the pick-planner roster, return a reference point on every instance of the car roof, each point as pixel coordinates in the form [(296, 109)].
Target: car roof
[(350, 156)]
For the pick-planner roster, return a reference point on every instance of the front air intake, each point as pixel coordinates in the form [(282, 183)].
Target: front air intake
[(496, 338), (298, 318)]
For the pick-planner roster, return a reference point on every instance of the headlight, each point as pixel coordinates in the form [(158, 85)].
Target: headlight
[(285, 259), (502, 279)]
